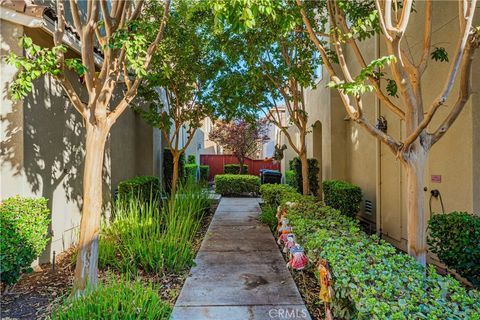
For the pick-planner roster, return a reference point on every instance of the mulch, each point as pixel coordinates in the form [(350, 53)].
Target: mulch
[(309, 287), (34, 296)]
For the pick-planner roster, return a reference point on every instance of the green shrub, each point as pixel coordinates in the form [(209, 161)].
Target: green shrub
[(234, 169), (290, 178), (142, 236), (141, 187), (371, 279), (275, 194), (204, 172), (268, 216), (191, 172), (23, 235), (313, 170), (343, 196), (455, 239), (115, 300), (191, 159), (235, 184), (168, 168)]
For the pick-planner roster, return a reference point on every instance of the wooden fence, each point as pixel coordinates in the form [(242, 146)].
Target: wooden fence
[(217, 161)]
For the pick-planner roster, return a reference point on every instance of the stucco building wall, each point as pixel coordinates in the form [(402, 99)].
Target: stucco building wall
[(348, 152), (42, 146)]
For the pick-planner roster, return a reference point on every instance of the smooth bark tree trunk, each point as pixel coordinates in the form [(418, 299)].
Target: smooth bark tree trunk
[(86, 269), (305, 181), (176, 159), (417, 221), (241, 162)]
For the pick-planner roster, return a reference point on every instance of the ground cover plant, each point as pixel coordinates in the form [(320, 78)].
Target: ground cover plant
[(115, 299), (372, 280)]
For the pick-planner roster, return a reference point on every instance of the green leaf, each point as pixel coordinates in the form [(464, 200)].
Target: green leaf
[(439, 54)]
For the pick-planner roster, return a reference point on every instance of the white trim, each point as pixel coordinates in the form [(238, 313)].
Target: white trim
[(20, 18)]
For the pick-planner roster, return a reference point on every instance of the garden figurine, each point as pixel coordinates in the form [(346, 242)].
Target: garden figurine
[(286, 230), (281, 215), (289, 243), (299, 259), (326, 290)]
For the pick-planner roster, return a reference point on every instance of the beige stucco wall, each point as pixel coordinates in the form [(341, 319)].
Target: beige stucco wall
[(349, 153), (43, 146)]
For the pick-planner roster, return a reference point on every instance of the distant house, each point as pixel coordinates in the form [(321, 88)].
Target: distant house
[(42, 141)]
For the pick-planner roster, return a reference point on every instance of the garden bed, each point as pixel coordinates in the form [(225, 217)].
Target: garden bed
[(371, 279), (34, 296)]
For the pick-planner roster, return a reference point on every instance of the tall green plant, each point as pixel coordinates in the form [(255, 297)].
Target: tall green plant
[(143, 236)]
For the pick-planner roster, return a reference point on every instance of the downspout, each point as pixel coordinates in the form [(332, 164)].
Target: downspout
[(378, 161)]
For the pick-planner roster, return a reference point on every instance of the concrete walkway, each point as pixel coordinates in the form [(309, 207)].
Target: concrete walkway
[(240, 273)]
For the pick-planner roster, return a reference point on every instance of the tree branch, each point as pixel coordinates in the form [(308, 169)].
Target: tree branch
[(123, 104), (353, 112), (107, 20), (464, 91), (382, 21), (461, 61), (427, 37), (73, 96), (77, 22)]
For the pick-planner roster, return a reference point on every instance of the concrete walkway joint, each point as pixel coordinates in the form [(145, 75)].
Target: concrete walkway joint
[(240, 273)]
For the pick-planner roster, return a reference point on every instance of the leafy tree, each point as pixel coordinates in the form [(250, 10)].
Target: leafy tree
[(186, 63), (277, 61), (338, 24), (126, 38), (240, 137)]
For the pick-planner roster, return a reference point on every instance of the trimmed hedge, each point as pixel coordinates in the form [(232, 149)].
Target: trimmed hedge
[(313, 170), (371, 279), (290, 178), (204, 172), (235, 184), (191, 159), (115, 300), (455, 239), (168, 168), (343, 196), (191, 171), (275, 194), (142, 187), (23, 235), (234, 169)]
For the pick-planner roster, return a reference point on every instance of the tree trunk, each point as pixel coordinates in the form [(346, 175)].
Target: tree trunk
[(415, 167), (176, 159), (241, 161), (305, 181), (86, 269)]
